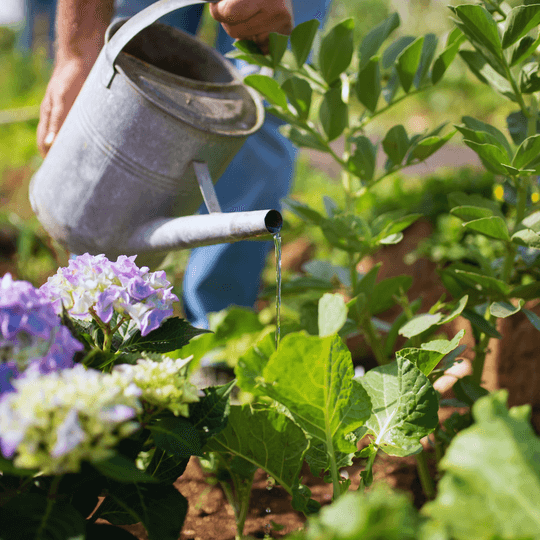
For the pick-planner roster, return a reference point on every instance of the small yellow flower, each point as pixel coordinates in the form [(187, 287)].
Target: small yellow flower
[(535, 197), (498, 193)]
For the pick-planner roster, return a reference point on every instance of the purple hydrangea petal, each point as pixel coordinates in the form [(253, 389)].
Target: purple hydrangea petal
[(8, 372), (152, 319), (68, 435), (138, 289), (118, 413)]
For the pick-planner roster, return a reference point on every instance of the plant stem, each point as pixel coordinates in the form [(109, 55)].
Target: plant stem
[(428, 486), (515, 88), (374, 341), (243, 509), (481, 350), (333, 465), (51, 499)]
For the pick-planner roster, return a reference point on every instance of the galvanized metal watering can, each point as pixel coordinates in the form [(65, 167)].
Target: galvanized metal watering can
[(157, 121)]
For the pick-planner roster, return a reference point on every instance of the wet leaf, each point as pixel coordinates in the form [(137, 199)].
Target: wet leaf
[(332, 314)]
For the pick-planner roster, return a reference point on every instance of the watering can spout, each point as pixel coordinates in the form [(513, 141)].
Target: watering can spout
[(166, 234)]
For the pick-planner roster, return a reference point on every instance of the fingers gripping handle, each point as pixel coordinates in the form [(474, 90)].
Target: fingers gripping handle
[(136, 24)]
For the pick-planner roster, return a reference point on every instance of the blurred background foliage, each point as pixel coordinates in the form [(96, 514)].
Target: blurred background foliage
[(26, 250)]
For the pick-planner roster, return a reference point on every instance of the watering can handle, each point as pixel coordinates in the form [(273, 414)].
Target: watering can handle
[(136, 24)]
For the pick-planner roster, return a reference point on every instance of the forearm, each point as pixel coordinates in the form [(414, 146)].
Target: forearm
[(80, 27)]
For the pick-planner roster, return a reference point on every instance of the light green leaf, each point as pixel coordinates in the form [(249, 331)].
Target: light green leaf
[(527, 238), (332, 314), (501, 310), (444, 346), (494, 227), (408, 63), (405, 407), (334, 114), (420, 324), (302, 38), (532, 222), (468, 213), (299, 93), (480, 23), (277, 45), (519, 22), (363, 161), (391, 239), (528, 154), (368, 85), (486, 283), (251, 365), (491, 156), (265, 438), (394, 50), (396, 143), (313, 378), (443, 61), (249, 52), (376, 37), (425, 360), (456, 312), (336, 50), (491, 484), (494, 134), (428, 146), (303, 138), (269, 88)]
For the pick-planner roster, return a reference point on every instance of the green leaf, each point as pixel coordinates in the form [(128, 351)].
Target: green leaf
[(396, 143), (334, 114), (491, 484), (428, 52), (250, 366), (177, 436), (456, 312), (420, 324), (394, 50), (524, 49), (173, 334), (405, 407), (481, 324), (468, 391), (303, 138), (408, 63), (248, 51), (469, 213), (336, 50), (26, 514), (376, 37), (491, 156), (363, 161), (520, 21), (268, 88), (368, 85), (425, 360), (299, 93), (502, 310), (348, 232), (494, 227), (527, 238), (313, 378), (428, 146), (277, 45), (533, 318), (529, 78), (122, 469), (332, 314), (486, 74), (302, 38), (381, 296), (492, 134), (165, 467), (528, 154), (527, 292), (487, 284), (480, 24), (443, 346), (443, 61), (267, 439)]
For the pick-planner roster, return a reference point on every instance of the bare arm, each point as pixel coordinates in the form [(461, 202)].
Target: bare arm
[(81, 26)]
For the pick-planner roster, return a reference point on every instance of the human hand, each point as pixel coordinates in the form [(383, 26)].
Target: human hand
[(66, 81), (254, 19)]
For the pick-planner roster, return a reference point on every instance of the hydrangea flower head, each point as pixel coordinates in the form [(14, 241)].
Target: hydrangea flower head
[(31, 334), (163, 384), (53, 422), (92, 282)]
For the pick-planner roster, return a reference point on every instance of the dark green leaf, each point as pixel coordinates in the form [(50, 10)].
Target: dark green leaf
[(348, 232), (479, 127), (518, 127), (527, 292), (443, 61), (396, 144), (491, 156), (334, 114), (394, 50), (468, 391), (468, 213), (302, 38), (166, 467), (486, 74), (23, 516), (368, 85), (122, 469), (428, 146), (533, 318), (529, 78), (269, 88), (392, 86), (303, 138), (177, 436), (528, 154), (524, 49), (363, 161), (519, 22), (305, 212), (494, 227), (277, 45), (299, 93), (336, 50), (482, 324), (408, 63), (382, 294), (173, 334), (487, 283), (376, 37), (480, 24), (428, 52), (258, 60), (367, 281)]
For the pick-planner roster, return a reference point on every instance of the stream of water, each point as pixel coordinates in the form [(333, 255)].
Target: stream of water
[(277, 244)]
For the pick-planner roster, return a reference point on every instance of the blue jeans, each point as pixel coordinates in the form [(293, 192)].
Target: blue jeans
[(258, 177)]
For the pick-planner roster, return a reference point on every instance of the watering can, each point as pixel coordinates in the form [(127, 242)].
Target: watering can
[(157, 121)]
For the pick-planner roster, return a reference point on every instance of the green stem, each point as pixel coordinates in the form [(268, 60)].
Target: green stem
[(333, 465), (515, 88), (243, 510), (368, 471), (428, 486), (533, 118), (374, 340), (51, 499), (481, 349), (107, 334)]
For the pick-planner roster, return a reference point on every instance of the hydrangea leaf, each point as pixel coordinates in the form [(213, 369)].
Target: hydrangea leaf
[(491, 485), (332, 314), (405, 407), (267, 439), (177, 436), (122, 469)]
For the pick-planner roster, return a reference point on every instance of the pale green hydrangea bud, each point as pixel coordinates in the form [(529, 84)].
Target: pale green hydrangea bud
[(163, 384), (54, 422)]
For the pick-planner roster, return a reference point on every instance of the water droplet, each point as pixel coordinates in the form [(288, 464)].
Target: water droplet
[(206, 429), (268, 510), (359, 371)]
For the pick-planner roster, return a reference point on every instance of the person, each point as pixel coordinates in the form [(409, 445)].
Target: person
[(258, 177), (37, 11)]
